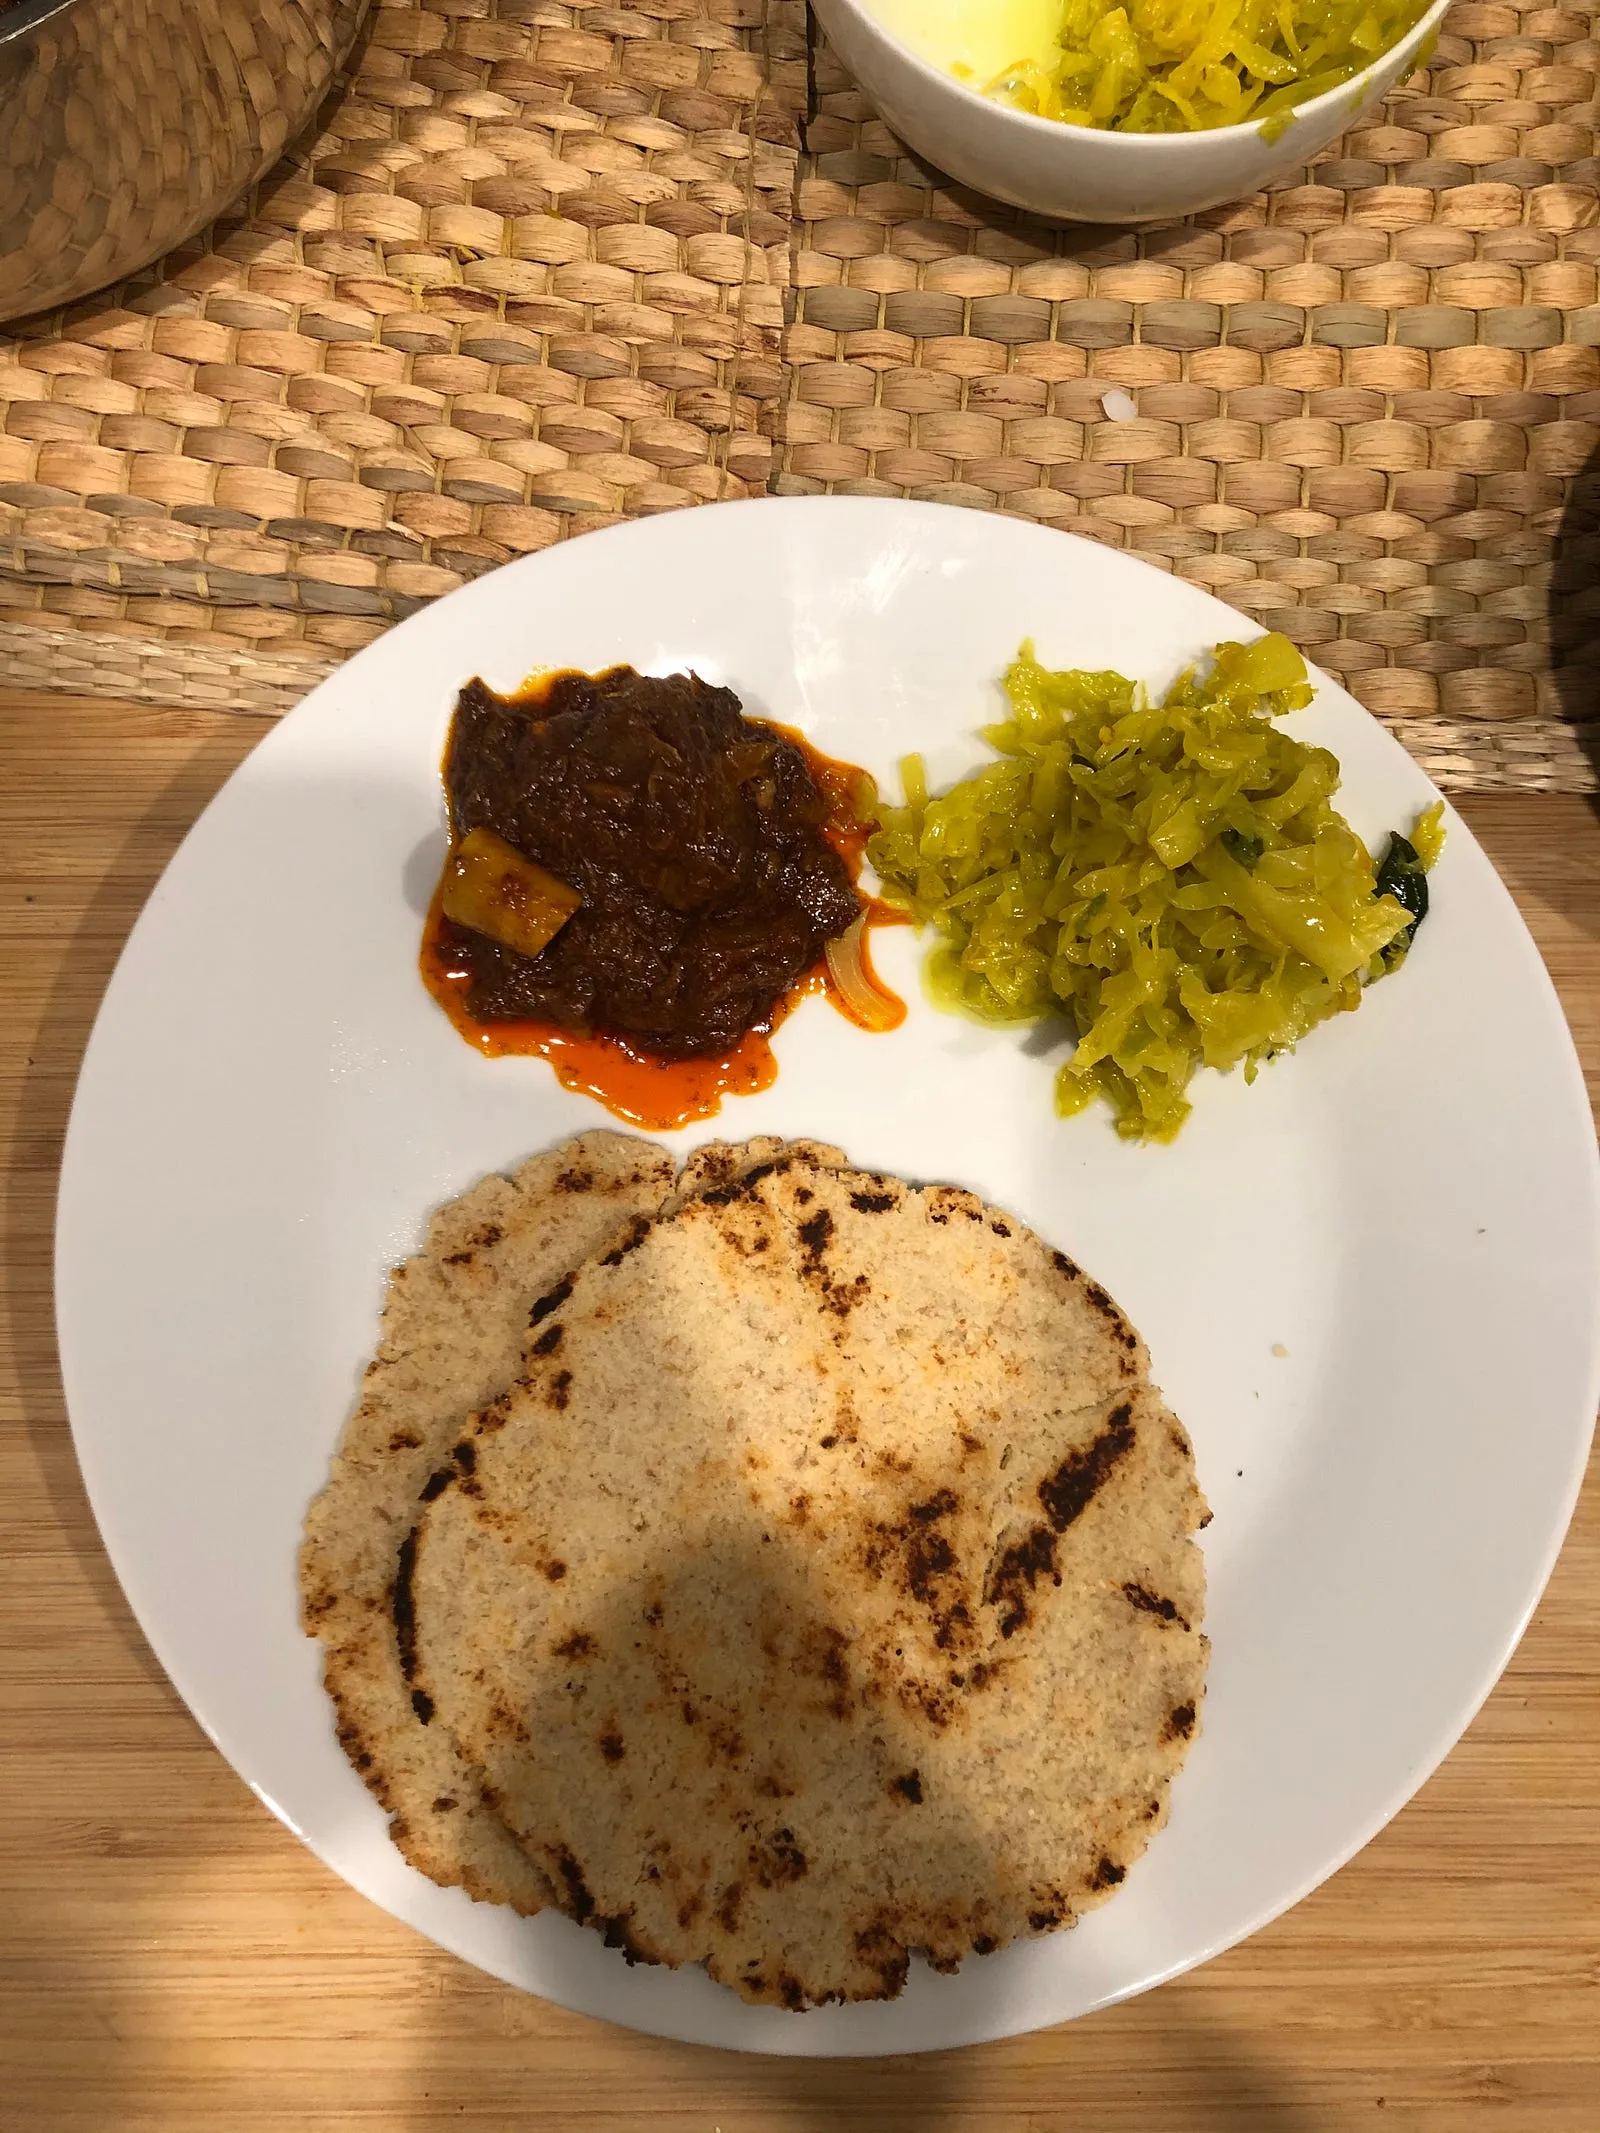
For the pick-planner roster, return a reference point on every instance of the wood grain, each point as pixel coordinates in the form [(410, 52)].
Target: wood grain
[(171, 1958)]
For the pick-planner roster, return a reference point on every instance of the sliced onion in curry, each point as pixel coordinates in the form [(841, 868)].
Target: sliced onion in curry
[(863, 998)]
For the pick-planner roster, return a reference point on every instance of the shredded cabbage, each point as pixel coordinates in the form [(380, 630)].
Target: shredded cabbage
[(1172, 877), (1427, 836), (1181, 66)]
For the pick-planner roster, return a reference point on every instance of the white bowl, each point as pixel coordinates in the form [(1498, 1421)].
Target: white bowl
[(1076, 173)]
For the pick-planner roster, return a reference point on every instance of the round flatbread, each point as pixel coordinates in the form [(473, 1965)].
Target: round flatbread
[(825, 1590), (455, 1324)]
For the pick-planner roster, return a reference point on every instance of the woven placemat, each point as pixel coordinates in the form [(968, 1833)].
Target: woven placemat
[(1358, 407), (530, 277), (526, 279)]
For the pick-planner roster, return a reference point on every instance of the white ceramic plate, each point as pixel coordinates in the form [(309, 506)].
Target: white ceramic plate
[(1368, 1282)]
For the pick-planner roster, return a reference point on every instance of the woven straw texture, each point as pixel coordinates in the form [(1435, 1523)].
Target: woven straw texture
[(525, 280), (530, 276), (1360, 405)]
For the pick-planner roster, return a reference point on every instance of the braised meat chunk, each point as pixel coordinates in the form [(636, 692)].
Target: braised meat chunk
[(693, 837)]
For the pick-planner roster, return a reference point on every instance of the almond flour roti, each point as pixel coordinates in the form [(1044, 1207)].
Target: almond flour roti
[(825, 1590)]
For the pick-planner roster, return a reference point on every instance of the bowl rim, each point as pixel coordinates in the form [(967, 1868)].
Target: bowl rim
[(26, 15), (1350, 91)]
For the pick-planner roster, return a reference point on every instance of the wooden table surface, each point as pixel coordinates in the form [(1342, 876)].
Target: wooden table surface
[(172, 1959)]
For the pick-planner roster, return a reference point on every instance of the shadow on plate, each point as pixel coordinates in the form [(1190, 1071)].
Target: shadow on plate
[(420, 876)]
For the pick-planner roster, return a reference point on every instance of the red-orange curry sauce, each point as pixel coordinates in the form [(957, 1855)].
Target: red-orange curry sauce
[(662, 1094)]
